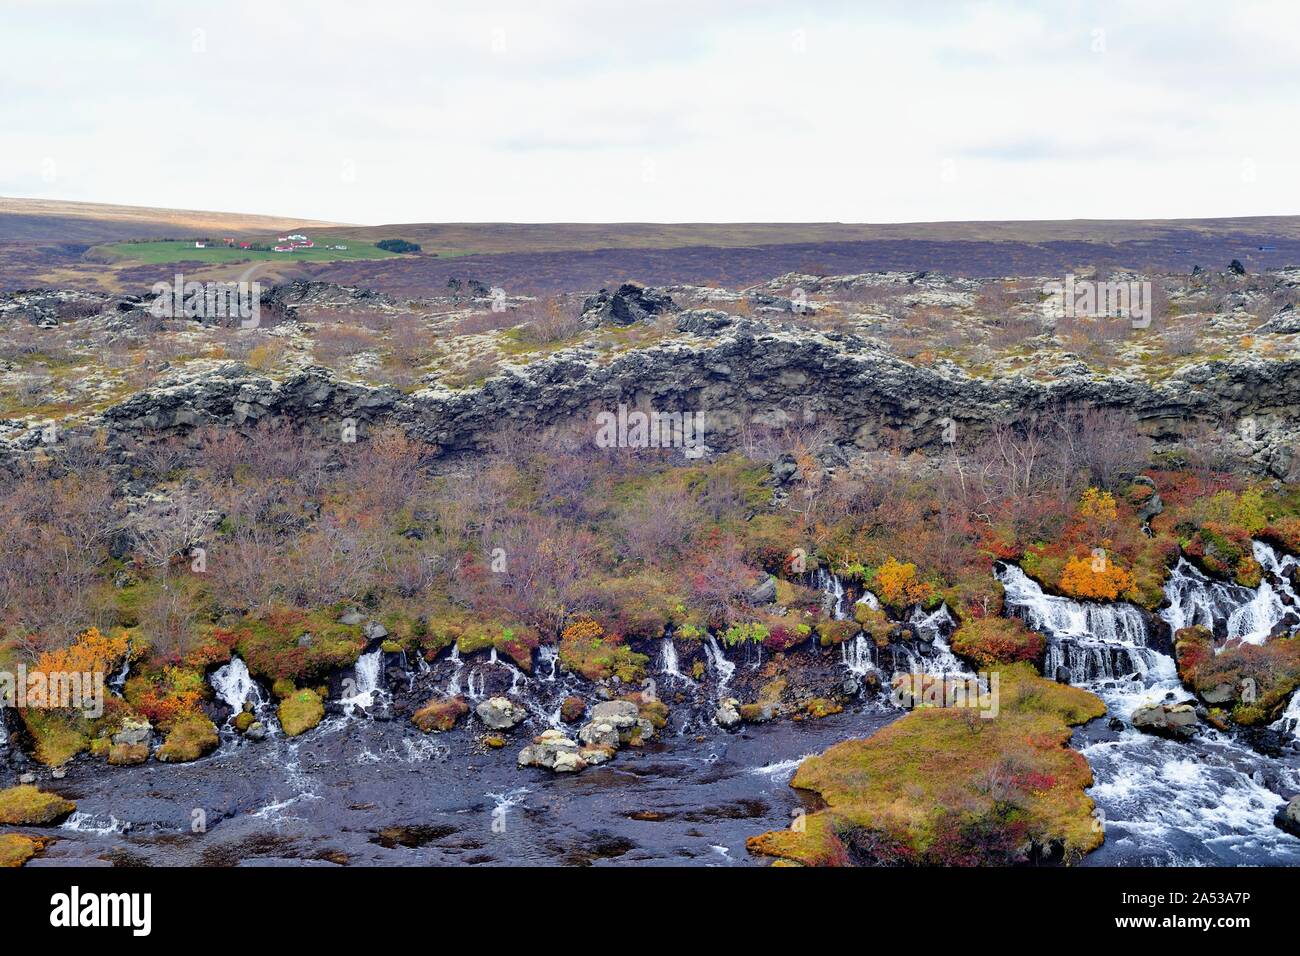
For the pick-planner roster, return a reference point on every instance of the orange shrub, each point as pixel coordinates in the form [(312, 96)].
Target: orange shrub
[(1080, 580), (897, 584), (91, 652)]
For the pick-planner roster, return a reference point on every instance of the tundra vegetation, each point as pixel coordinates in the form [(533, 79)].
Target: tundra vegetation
[(173, 554)]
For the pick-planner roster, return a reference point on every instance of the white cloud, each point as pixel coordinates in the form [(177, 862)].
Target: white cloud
[(671, 111)]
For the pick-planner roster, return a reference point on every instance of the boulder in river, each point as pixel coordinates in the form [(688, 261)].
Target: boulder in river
[(1288, 818), (554, 751), (500, 713), (135, 731), (728, 713), (1166, 720)]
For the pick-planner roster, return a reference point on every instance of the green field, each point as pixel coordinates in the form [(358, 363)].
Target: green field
[(184, 251)]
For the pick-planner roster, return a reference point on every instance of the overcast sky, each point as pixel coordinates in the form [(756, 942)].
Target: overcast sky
[(664, 110)]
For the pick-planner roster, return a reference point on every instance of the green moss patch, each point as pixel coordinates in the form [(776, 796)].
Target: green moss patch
[(300, 712), (948, 787), (30, 806)]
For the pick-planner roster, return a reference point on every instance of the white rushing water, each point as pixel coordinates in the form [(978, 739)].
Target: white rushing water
[(833, 591), (1164, 802), (1236, 613), (365, 682), (933, 629), (858, 655), (669, 665), (233, 684), (718, 663)]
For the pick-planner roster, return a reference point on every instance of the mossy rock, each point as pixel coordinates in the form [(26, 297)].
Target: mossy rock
[(989, 641), (830, 631), (440, 714), (125, 755), (17, 848), (875, 623), (57, 735), (190, 738), (572, 709), (496, 743), (29, 806), (283, 687), (244, 719), (917, 792), (820, 707), (300, 712)]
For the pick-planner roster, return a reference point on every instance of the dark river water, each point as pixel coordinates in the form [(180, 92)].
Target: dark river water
[(368, 792)]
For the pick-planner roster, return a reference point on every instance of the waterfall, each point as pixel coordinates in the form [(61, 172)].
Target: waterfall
[(365, 683), (118, 682), (1091, 642), (668, 663), (870, 600), (1164, 801), (858, 655), (722, 668), (453, 685), (1234, 613), (1196, 600), (234, 685), (833, 591), (936, 626), (1289, 722), (1280, 567), (548, 654), (475, 691)]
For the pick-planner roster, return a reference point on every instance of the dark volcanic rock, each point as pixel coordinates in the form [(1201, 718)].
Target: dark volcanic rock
[(626, 305)]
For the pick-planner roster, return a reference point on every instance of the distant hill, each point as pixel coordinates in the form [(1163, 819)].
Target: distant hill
[(50, 220)]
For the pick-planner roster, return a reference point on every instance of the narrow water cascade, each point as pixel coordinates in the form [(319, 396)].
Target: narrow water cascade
[(1209, 800), (548, 659), (669, 665), (1289, 722), (366, 681), (933, 629), (718, 663), (870, 600), (859, 655), (1233, 612), (454, 682), (833, 593), (235, 687), (117, 683)]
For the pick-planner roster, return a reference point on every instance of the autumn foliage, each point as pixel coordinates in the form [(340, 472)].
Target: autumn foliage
[(1094, 578)]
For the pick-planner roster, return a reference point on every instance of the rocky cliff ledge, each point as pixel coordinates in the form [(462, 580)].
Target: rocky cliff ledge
[(745, 373)]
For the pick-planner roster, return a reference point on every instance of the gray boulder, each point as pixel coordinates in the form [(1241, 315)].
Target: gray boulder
[(1166, 720), (134, 732), (728, 713), (500, 713), (1288, 818), (764, 593), (554, 751)]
